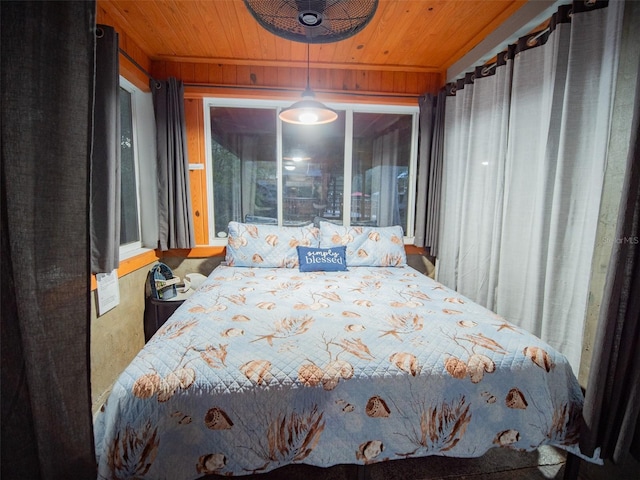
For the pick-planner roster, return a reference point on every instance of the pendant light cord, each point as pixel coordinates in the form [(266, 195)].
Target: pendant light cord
[(308, 68)]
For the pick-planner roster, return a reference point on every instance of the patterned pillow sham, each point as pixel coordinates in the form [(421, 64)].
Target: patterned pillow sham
[(331, 259), (267, 246), (366, 246)]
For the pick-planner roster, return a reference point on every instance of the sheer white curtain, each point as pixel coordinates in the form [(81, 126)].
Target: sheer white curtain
[(385, 162), (244, 165), (525, 153), (248, 154), (455, 156), (481, 221)]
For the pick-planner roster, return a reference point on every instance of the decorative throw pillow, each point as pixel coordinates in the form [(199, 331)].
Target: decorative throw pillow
[(331, 259), (366, 246), (267, 246)]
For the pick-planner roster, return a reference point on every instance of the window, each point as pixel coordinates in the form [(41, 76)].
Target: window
[(313, 171), (129, 225), (358, 170), (380, 169), (244, 168), (138, 190)]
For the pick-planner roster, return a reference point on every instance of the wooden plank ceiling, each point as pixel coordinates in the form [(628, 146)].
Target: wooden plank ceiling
[(406, 48)]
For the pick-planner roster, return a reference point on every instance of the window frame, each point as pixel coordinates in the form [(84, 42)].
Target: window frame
[(132, 249), (349, 109)]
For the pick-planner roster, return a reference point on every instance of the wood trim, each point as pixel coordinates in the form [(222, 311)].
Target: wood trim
[(197, 178), (197, 252), (413, 250), (206, 251), (139, 261), (289, 95), (132, 264)]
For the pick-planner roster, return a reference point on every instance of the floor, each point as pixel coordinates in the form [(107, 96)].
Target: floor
[(497, 464)]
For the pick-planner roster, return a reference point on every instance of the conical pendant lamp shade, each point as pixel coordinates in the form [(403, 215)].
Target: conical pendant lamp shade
[(308, 111)]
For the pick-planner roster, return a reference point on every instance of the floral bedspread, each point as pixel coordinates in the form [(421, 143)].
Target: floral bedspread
[(265, 367)]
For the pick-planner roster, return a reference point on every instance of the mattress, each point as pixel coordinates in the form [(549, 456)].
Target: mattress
[(264, 367)]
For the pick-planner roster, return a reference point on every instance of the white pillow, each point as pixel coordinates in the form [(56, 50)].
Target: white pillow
[(268, 246), (366, 246)]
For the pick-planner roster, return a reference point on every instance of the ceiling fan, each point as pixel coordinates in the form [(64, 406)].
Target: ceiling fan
[(313, 21)]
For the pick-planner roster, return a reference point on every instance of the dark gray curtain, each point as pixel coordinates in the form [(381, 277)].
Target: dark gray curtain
[(612, 400), (105, 161), (429, 171), (175, 222), (426, 104), (47, 60), (434, 188)]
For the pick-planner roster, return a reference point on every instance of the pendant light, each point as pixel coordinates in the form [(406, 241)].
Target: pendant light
[(312, 21), (308, 111)]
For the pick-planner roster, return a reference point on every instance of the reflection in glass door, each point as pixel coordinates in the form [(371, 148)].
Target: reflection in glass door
[(380, 168), (244, 169), (313, 171)]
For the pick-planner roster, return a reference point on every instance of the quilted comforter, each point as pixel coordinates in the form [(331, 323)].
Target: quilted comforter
[(266, 367)]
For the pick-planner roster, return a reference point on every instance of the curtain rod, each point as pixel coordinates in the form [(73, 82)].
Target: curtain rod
[(281, 89), (136, 64)]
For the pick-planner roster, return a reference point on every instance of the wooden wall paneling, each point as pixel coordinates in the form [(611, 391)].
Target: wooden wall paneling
[(411, 82), (337, 80), (386, 81), (159, 69), (348, 82), (362, 81), (322, 80), (269, 77), (299, 78), (256, 74), (375, 81), (399, 82), (284, 76), (201, 73), (229, 75), (215, 74), (194, 120), (173, 69), (243, 75), (188, 72)]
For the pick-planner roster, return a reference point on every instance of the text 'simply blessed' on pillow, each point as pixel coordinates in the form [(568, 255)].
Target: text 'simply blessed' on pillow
[(331, 259)]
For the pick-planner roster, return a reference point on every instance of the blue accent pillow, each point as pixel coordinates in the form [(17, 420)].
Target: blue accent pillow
[(331, 259)]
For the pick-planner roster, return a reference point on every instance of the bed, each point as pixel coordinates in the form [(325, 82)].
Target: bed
[(322, 346)]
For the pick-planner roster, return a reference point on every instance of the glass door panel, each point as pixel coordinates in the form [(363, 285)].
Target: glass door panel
[(380, 168), (244, 169), (313, 171)]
